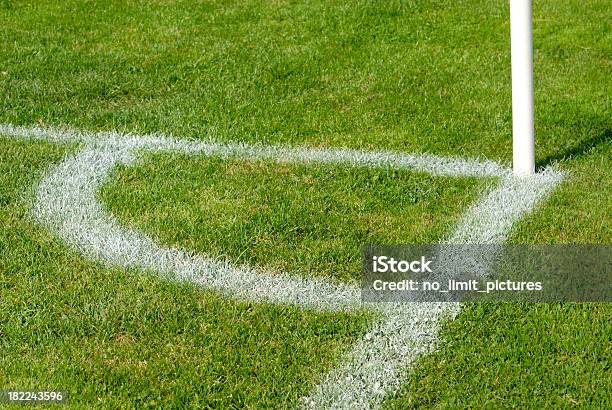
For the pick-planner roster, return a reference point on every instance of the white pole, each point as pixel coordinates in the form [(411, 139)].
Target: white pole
[(523, 149)]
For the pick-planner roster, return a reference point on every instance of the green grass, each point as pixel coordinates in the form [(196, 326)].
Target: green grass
[(411, 75), (541, 355), (506, 355), (304, 219), (423, 76), (115, 338)]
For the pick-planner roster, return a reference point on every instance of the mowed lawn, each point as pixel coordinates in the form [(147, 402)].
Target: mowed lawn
[(415, 76)]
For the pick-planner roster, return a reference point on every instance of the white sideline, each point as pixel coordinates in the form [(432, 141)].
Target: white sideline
[(433, 164), (375, 366), (66, 204)]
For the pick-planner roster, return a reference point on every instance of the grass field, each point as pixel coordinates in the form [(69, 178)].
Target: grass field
[(412, 76)]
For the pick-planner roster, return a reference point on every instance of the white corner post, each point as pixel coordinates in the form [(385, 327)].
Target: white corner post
[(523, 143)]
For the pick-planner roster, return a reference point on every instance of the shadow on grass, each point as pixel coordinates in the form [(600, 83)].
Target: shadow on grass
[(580, 149)]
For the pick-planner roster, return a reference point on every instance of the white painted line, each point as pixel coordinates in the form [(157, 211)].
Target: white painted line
[(433, 164), (377, 364), (66, 203), (43, 133)]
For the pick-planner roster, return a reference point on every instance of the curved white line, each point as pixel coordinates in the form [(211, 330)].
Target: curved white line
[(433, 164), (66, 203)]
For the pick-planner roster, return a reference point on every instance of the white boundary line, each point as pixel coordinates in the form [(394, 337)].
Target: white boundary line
[(66, 204), (377, 364)]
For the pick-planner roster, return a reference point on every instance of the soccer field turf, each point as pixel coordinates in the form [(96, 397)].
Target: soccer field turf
[(410, 76)]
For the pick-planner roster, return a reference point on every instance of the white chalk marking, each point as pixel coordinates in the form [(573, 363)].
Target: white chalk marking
[(433, 164), (378, 363), (66, 204)]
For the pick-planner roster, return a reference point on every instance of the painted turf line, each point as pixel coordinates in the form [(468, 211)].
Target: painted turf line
[(433, 164), (379, 362), (66, 203)]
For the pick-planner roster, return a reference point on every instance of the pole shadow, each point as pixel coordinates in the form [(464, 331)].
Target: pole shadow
[(578, 150)]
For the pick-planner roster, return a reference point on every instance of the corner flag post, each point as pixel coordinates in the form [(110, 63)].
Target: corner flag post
[(523, 143)]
